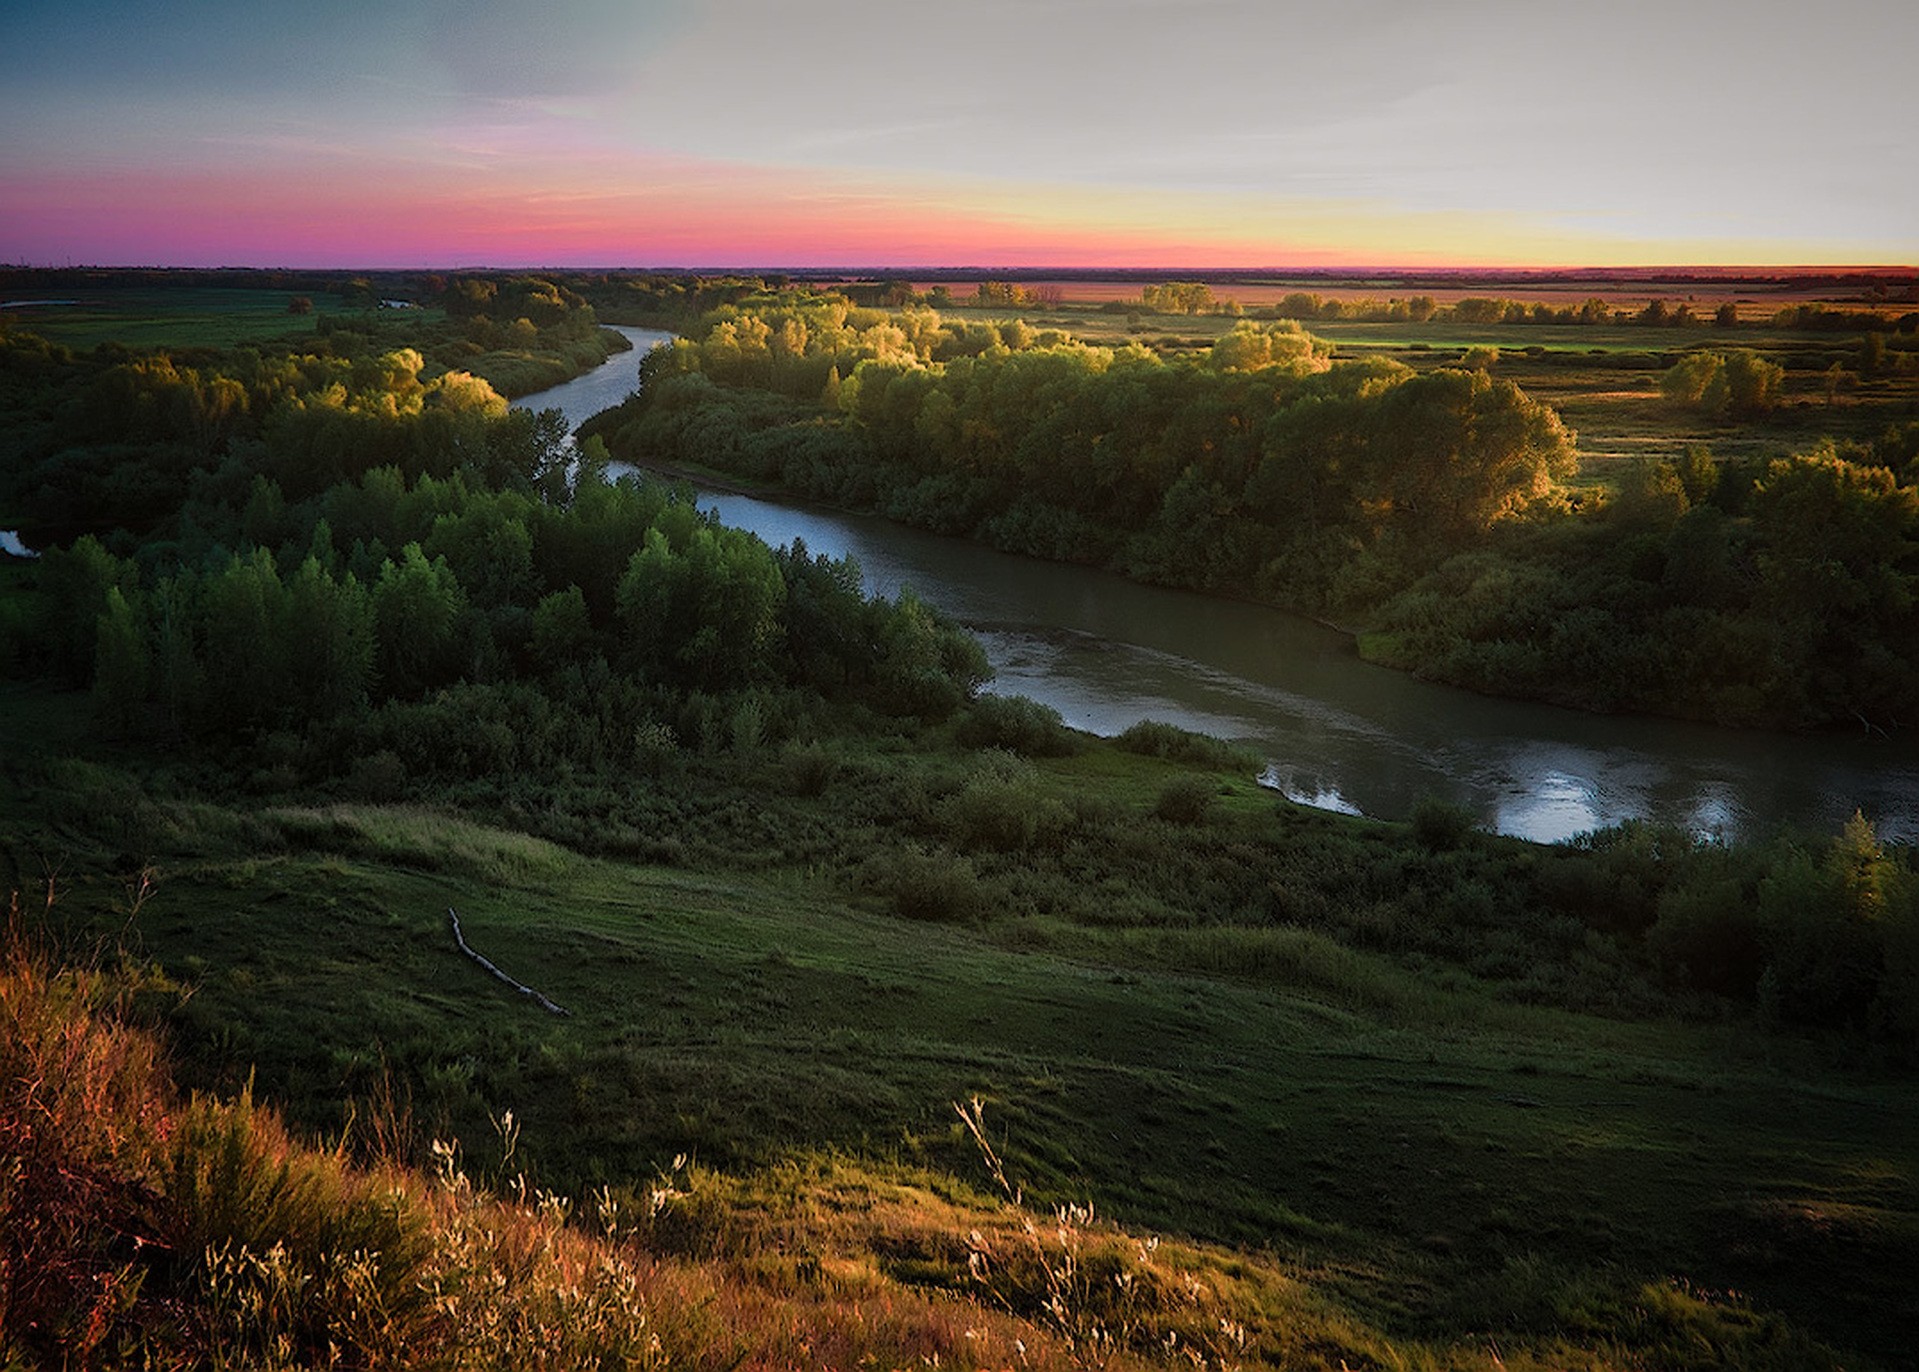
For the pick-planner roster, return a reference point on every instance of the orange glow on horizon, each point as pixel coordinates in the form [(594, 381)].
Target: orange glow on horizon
[(683, 213)]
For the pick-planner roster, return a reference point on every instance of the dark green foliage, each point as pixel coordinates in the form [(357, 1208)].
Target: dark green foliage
[(1739, 382), (392, 587), (1802, 609), (1202, 473), (1773, 593), (1003, 806), (1157, 739), (1439, 825), (937, 885), (419, 608), (116, 439), (1016, 724), (1186, 800), (809, 769)]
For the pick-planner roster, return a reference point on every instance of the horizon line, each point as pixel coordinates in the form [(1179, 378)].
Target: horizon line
[(927, 268)]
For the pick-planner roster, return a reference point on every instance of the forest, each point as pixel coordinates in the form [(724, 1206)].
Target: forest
[(1433, 510), (326, 638)]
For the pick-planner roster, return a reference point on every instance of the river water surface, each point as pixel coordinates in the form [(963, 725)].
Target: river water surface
[(1338, 732)]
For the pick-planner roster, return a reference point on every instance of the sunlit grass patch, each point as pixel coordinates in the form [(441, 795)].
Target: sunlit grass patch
[(420, 837)]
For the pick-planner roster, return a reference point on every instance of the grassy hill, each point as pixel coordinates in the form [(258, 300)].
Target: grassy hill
[(1360, 1159)]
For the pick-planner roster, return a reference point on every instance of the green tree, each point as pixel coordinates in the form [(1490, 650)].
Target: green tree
[(1651, 495), (124, 667), (1248, 346), (1689, 380), (246, 676), (1454, 452), (418, 609), (1754, 384), (327, 636), (74, 583), (562, 629), (1738, 381), (1839, 556)]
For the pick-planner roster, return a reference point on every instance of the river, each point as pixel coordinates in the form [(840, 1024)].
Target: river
[(1338, 732)]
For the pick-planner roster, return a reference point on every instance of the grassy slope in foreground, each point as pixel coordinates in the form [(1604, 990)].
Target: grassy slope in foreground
[(141, 1227), (1438, 1163)]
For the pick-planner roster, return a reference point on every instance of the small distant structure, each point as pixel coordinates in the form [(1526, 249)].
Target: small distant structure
[(398, 305)]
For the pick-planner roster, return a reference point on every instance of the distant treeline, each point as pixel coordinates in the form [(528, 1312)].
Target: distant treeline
[(1200, 298), (1656, 313), (1425, 505)]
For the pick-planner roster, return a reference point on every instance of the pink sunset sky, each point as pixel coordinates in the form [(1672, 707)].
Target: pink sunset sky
[(1041, 133)]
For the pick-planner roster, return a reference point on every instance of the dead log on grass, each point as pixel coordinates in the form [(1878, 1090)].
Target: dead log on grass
[(519, 986)]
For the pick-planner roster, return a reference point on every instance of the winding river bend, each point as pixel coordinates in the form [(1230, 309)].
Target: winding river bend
[(1338, 732)]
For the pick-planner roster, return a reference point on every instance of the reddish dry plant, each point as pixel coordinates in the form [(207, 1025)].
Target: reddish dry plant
[(81, 1100), (135, 1224)]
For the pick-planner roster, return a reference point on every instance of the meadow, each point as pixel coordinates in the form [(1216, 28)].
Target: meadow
[(167, 316), (1435, 1160)]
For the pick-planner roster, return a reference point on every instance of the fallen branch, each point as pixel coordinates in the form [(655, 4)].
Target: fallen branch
[(519, 986)]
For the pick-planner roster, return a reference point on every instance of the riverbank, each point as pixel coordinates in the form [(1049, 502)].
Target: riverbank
[(1433, 504), (1339, 732)]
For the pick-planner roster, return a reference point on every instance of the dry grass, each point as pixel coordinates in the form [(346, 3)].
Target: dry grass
[(140, 1227)]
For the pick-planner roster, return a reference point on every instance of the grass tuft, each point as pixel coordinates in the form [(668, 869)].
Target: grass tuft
[(417, 837)]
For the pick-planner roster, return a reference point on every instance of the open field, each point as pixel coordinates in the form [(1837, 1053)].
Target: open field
[(1704, 292), (169, 316), (1434, 1157)]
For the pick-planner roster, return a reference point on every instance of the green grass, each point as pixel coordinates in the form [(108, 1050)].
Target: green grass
[(1443, 1159), (1303, 1100), (178, 316)]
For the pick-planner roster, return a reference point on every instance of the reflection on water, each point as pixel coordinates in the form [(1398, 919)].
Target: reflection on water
[(1550, 807), (1340, 733), (1302, 790), (1717, 813)]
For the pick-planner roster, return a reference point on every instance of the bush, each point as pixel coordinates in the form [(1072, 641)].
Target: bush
[(938, 886), (1185, 800), (1440, 825), (809, 769), (1002, 806), (1017, 724), (1708, 936), (1155, 739), (377, 776)]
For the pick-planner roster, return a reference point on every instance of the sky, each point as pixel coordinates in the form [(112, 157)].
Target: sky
[(902, 133)]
